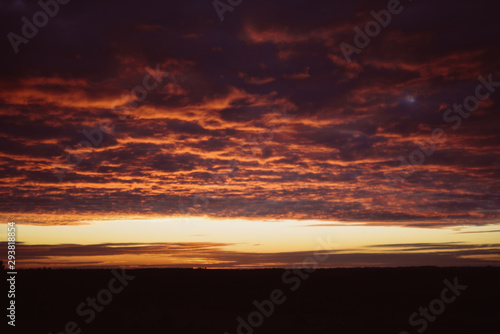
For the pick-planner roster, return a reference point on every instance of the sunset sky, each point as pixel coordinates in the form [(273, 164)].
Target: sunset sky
[(255, 138)]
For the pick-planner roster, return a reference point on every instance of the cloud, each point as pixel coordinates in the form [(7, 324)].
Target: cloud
[(213, 255), (227, 88)]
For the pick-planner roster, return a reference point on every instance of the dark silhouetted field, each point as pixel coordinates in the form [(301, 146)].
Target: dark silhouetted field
[(209, 301)]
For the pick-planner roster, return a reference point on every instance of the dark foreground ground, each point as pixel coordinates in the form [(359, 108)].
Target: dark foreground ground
[(210, 301)]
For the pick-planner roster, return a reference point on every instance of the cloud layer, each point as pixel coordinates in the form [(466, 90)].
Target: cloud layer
[(213, 255), (260, 116)]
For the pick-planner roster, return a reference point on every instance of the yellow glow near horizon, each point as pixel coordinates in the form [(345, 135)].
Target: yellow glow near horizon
[(249, 235)]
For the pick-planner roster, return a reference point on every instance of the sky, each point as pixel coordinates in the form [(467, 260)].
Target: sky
[(203, 134)]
